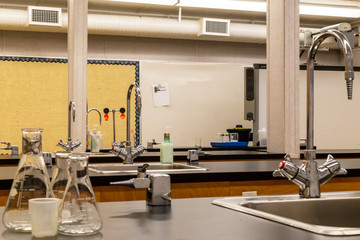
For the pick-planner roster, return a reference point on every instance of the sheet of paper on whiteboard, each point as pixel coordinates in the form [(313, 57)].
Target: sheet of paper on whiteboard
[(161, 94)]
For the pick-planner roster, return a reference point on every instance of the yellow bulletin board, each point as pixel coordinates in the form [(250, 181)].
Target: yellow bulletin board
[(34, 94)]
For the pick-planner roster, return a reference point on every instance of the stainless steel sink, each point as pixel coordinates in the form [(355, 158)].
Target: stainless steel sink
[(119, 168), (332, 214)]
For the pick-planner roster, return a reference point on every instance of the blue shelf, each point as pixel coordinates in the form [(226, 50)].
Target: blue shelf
[(229, 144)]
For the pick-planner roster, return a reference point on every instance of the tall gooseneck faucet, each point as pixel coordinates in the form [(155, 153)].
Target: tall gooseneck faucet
[(138, 104), (127, 153), (69, 146), (309, 176), (349, 76)]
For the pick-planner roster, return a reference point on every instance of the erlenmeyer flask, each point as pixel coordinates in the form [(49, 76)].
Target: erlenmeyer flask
[(31, 181), (78, 211), (61, 174)]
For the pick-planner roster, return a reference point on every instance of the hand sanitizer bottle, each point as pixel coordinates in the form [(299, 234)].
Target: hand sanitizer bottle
[(167, 150)]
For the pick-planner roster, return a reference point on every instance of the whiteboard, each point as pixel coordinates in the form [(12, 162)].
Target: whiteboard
[(336, 119), (205, 99)]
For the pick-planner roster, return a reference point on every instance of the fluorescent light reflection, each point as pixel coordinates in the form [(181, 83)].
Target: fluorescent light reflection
[(228, 5), (329, 11)]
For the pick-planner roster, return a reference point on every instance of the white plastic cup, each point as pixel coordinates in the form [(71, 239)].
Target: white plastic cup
[(44, 216)]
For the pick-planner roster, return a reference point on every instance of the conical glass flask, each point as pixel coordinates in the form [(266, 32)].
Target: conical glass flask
[(31, 181), (61, 174), (78, 211)]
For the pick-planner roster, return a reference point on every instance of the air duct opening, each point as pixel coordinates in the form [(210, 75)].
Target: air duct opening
[(44, 16)]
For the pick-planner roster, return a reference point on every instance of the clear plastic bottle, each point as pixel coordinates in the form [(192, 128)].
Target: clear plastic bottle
[(61, 174), (167, 150), (31, 181), (78, 211)]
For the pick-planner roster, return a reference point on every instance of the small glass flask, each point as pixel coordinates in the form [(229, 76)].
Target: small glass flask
[(31, 181), (60, 175), (78, 211)]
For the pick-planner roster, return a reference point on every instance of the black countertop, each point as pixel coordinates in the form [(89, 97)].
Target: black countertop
[(186, 219)]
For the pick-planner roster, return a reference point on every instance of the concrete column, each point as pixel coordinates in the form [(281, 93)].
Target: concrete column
[(77, 55), (283, 77)]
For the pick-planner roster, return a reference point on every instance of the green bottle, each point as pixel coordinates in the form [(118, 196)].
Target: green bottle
[(167, 150)]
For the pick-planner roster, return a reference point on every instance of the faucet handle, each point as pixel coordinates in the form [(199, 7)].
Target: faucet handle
[(334, 166), (8, 145), (329, 169), (142, 170), (63, 145), (75, 144), (287, 158)]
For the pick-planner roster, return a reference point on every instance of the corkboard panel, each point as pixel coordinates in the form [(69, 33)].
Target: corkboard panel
[(34, 94), (107, 88)]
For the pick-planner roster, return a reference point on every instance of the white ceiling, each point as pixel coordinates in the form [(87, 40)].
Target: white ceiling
[(234, 15)]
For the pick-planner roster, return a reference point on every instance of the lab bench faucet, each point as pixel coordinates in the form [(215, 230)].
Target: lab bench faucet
[(127, 153), (87, 123), (69, 146), (309, 176), (14, 148), (157, 185)]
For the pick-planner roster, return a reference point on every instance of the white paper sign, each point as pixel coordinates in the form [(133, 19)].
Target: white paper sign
[(161, 94)]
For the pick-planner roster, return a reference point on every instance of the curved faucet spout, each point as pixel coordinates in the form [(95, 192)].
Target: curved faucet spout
[(138, 105), (96, 110), (349, 76), (71, 111)]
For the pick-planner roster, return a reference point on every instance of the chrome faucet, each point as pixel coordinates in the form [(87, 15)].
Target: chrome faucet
[(87, 122), (157, 185), (69, 146), (126, 152), (14, 148), (309, 176), (94, 109)]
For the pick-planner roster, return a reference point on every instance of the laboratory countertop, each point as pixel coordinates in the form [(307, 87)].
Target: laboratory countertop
[(185, 219)]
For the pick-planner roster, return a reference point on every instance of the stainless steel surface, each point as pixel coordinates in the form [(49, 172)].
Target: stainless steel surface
[(157, 185), (127, 153), (333, 214), (309, 176), (118, 168), (159, 194)]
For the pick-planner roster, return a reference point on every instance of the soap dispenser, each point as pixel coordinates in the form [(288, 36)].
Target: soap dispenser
[(167, 150)]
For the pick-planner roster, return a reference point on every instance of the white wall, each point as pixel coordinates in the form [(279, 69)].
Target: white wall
[(205, 99), (13, 43)]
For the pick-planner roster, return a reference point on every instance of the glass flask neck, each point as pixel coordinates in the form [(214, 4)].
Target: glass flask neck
[(31, 140), (166, 137)]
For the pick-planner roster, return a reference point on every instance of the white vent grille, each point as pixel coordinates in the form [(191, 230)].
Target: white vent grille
[(216, 27), (44, 16)]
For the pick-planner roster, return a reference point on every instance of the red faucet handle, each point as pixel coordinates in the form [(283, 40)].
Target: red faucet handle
[(106, 116), (281, 165)]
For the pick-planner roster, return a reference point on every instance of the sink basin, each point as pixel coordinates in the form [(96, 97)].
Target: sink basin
[(119, 168), (332, 214)]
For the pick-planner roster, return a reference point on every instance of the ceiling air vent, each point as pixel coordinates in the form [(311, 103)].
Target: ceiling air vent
[(213, 26), (44, 16)]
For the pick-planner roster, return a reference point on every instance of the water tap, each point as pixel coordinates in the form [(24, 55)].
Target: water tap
[(309, 176), (124, 149), (70, 146), (158, 186)]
